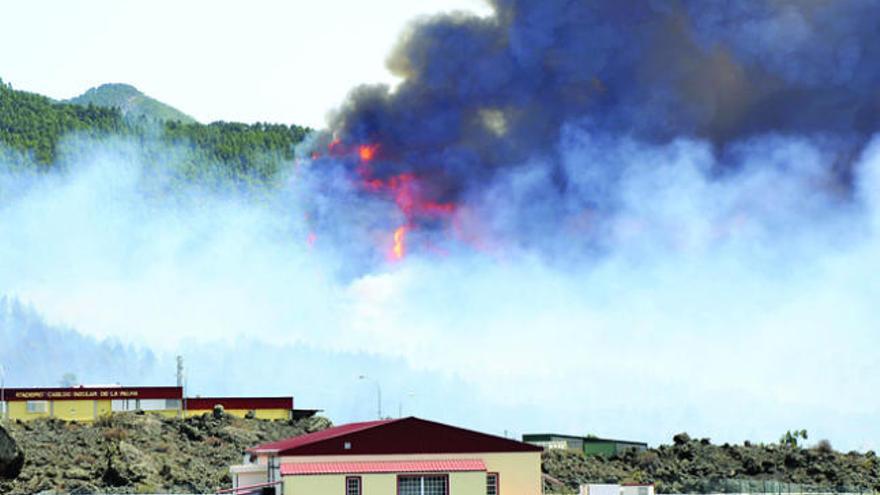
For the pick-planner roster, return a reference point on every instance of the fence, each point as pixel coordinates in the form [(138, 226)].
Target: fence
[(741, 486)]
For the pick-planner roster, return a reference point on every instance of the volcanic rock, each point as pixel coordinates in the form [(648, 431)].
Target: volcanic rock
[(11, 457), (139, 453)]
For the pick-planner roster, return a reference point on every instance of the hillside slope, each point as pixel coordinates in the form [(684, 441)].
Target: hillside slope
[(131, 102), (38, 133), (140, 453)]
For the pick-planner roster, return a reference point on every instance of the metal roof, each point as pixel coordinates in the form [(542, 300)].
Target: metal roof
[(532, 437), (393, 436), (426, 466), (310, 438)]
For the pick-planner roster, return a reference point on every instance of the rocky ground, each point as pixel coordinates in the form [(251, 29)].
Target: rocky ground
[(139, 453), (11, 457), (697, 466)]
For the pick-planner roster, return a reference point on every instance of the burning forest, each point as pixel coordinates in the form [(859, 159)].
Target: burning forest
[(484, 99)]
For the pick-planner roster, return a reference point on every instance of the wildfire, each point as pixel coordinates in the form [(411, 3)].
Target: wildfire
[(398, 250), (402, 188), (367, 152)]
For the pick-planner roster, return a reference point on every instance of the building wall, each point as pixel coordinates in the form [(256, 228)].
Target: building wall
[(600, 448), (72, 410), (260, 413), (519, 473), (248, 476), (377, 484), (89, 403), (69, 410), (555, 442), (85, 410), (328, 484), (18, 410), (467, 483), (610, 448), (105, 407)]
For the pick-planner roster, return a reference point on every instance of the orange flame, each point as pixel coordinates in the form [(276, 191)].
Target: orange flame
[(367, 152), (398, 251)]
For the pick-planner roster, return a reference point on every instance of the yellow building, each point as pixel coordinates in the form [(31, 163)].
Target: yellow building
[(408, 456), (262, 407), (90, 403)]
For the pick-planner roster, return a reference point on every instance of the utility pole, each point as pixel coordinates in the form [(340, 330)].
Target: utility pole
[(2, 392), (181, 382), (179, 371)]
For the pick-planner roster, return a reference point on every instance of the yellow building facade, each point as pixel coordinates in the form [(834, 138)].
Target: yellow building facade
[(261, 407), (463, 483), (86, 404), (407, 456), (518, 472)]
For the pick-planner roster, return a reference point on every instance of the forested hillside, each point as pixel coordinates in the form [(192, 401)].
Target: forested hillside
[(34, 124), (33, 129)]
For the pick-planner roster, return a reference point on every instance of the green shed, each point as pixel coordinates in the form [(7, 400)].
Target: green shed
[(607, 447), (589, 445)]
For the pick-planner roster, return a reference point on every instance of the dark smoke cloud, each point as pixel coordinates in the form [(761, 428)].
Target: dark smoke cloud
[(483, 94)]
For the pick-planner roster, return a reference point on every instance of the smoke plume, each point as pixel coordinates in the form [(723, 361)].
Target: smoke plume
[(483, 95)]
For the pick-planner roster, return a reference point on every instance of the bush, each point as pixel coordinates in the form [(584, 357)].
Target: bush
[(681, 438)]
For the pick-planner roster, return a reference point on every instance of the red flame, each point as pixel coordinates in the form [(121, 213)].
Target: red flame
[(404, 189), (367, 152)]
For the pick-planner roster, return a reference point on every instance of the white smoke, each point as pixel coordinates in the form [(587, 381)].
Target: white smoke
[(735, 306)]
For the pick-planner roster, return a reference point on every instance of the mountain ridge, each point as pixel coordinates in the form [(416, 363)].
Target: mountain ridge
[(131, 102)]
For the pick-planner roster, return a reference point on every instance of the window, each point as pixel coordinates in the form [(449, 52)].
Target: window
[(423, 485), (36, 406), (491, 483), (643, 490), (353, 485)]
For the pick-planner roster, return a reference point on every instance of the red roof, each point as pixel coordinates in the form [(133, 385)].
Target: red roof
[(282, 446), (430, 466), (92, 393), (393, 436)]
